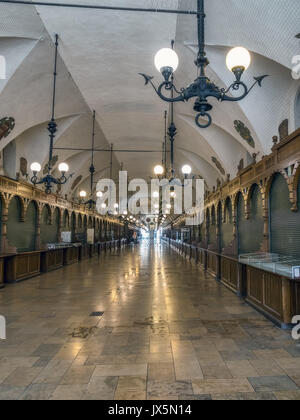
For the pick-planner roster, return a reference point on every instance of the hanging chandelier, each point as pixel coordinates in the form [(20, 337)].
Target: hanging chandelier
[(166, 61), (83, 194), (161, 171), (36, 167)]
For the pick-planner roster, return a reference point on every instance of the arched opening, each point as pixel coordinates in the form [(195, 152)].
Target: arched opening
[(212, 228), (242, 228), (297, 111), (21, 234), (208, 227), (253, 239), (219, 222), (227, 225), (284, 224), (73, 226), (49, 232), (66, 221)]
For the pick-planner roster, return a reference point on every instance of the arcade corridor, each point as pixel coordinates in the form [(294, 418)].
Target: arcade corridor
[(168, 331)]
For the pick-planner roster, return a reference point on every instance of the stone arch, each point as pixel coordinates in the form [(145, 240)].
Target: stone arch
[(21, 230), (49, 225), (79, 221), (66, 220)]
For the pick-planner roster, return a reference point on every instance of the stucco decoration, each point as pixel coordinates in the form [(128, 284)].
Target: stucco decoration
[(218, 165), (283, 129), (23, 166), (244, 132), (53, 163), (7, 125)]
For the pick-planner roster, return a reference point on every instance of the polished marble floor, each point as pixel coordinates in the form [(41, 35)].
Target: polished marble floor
[(167, 332)]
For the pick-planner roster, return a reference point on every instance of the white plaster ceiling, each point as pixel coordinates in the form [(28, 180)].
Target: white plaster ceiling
[(100, 56)]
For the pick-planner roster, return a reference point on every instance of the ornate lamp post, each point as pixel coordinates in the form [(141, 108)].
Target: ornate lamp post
[(49, 179), (166, 61)]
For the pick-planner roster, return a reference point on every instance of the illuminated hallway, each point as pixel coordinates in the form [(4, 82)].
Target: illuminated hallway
[(168, 331)]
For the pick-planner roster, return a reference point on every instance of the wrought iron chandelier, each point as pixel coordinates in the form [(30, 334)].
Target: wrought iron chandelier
[(83, 194), (166, 61), (36, 167)]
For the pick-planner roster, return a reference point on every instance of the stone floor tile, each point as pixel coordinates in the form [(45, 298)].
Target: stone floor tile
[(267, 368), (10, 393), (216, 372), (221, 386), (69, 393), (22, 376), (161, 372), (261, 396), (273, 384), (241, 369), (78, 375), (121, 370), (288, 395), (159, 389), (38, 392)]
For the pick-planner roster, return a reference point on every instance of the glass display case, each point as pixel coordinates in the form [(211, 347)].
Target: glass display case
[(62, 245), (282, 265)]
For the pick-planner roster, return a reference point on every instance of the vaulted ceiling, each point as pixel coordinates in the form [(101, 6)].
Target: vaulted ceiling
[(100, 56)]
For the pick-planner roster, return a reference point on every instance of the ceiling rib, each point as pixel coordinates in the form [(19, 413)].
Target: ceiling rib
[(90, 6)]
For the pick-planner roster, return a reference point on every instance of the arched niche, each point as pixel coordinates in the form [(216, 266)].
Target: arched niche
[(284, 224), (297, 111), (227, 225), (208, 226), (49, 232), (242, 226), (219, 223), (254, 226), (212, 227), (73, 226), (22, 234), (66, 221), (79, 224)]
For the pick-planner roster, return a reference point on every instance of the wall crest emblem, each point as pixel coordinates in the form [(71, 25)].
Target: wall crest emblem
[(7, 125), (244, 132)]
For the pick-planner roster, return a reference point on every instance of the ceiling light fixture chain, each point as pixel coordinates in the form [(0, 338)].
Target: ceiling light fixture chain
[(49, 179), (166, 61)]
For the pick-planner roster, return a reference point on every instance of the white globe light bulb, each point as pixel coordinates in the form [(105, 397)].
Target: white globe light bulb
[(166, 57), (116, 205), (82, 194), (238, 57), (156, 194), (158, 170), (63, 167), (35, 167), (103, 205), (99, 194), (186, 170)]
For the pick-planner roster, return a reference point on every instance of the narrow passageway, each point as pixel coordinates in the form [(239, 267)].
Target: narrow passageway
[(168, 331)]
